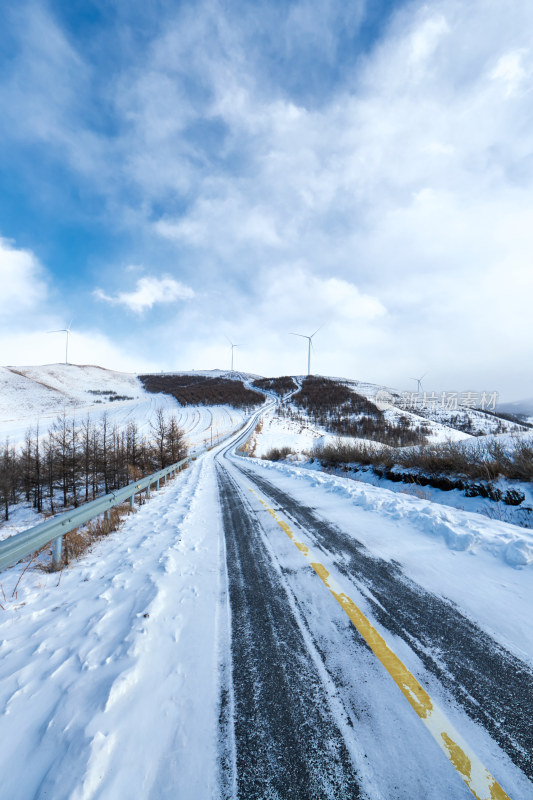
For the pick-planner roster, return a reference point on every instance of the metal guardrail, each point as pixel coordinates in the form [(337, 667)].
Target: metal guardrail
[(25, 543)]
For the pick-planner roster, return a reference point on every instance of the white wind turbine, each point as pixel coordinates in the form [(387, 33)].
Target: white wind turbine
[(233, 346), (310, 344), (67, 331), (418, 382)]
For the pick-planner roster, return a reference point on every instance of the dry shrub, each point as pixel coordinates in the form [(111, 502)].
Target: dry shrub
[(485, 461), (341, 452), (522, 464), (277, 454), (202, 390)]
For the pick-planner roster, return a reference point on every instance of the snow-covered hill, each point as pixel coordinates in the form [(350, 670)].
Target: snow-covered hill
[(38, 394), (31, 396)]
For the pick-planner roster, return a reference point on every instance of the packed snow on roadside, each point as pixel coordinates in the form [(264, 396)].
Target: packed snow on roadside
[(109, 670), (509, 542), (485, 566), (459, 530)]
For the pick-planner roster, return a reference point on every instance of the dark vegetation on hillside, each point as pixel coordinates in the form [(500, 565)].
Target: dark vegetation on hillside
[(280, 386), (340, 410), (196, 390), (446, 466), (76, 461)]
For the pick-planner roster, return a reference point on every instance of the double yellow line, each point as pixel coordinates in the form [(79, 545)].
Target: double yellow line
[(478, 779)]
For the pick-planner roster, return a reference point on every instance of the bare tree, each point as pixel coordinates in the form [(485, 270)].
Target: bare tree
[(8, 477), (175, 441), (159, 429)]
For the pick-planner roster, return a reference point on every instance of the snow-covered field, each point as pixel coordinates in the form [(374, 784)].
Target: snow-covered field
[(37, 395), (274, 431)]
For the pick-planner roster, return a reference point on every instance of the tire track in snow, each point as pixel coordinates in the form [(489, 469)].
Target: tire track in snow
[(287, 744)]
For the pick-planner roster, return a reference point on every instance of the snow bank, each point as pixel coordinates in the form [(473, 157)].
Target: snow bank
[(460, 530)]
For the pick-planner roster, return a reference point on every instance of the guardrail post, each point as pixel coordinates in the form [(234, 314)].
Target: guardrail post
[(51, 531), (58, 550), (157, 485)]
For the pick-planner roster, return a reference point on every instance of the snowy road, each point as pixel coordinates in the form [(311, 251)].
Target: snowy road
[(198, 653), (316, 715)]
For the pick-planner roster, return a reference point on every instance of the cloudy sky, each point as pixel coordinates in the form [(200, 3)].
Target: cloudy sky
[(174, 173)]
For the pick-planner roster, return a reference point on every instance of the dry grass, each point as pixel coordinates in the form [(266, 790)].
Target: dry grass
[(416, 491), (80, 540)]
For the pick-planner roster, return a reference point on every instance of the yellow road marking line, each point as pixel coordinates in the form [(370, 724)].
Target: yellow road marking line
[(478, 779)]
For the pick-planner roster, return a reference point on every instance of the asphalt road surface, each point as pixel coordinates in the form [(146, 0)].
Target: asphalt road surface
[(307, 711)]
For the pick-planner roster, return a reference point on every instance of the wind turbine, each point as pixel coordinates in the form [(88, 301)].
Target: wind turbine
[(67, 331), (418, 382), (310, 344), (233, 346)]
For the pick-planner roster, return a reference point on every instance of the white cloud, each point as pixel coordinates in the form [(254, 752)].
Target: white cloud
[(426, 38), (22, 281), (292, 294), (510, 70), (149, 292)]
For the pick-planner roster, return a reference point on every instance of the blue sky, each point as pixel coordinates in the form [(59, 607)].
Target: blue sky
[(175, 173)]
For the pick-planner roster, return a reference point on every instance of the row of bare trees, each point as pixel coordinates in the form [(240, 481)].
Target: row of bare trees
[(75, 461)]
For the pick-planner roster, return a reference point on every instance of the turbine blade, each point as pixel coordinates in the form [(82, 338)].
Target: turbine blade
[(318, 329), (61, 330), (298, 334)]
